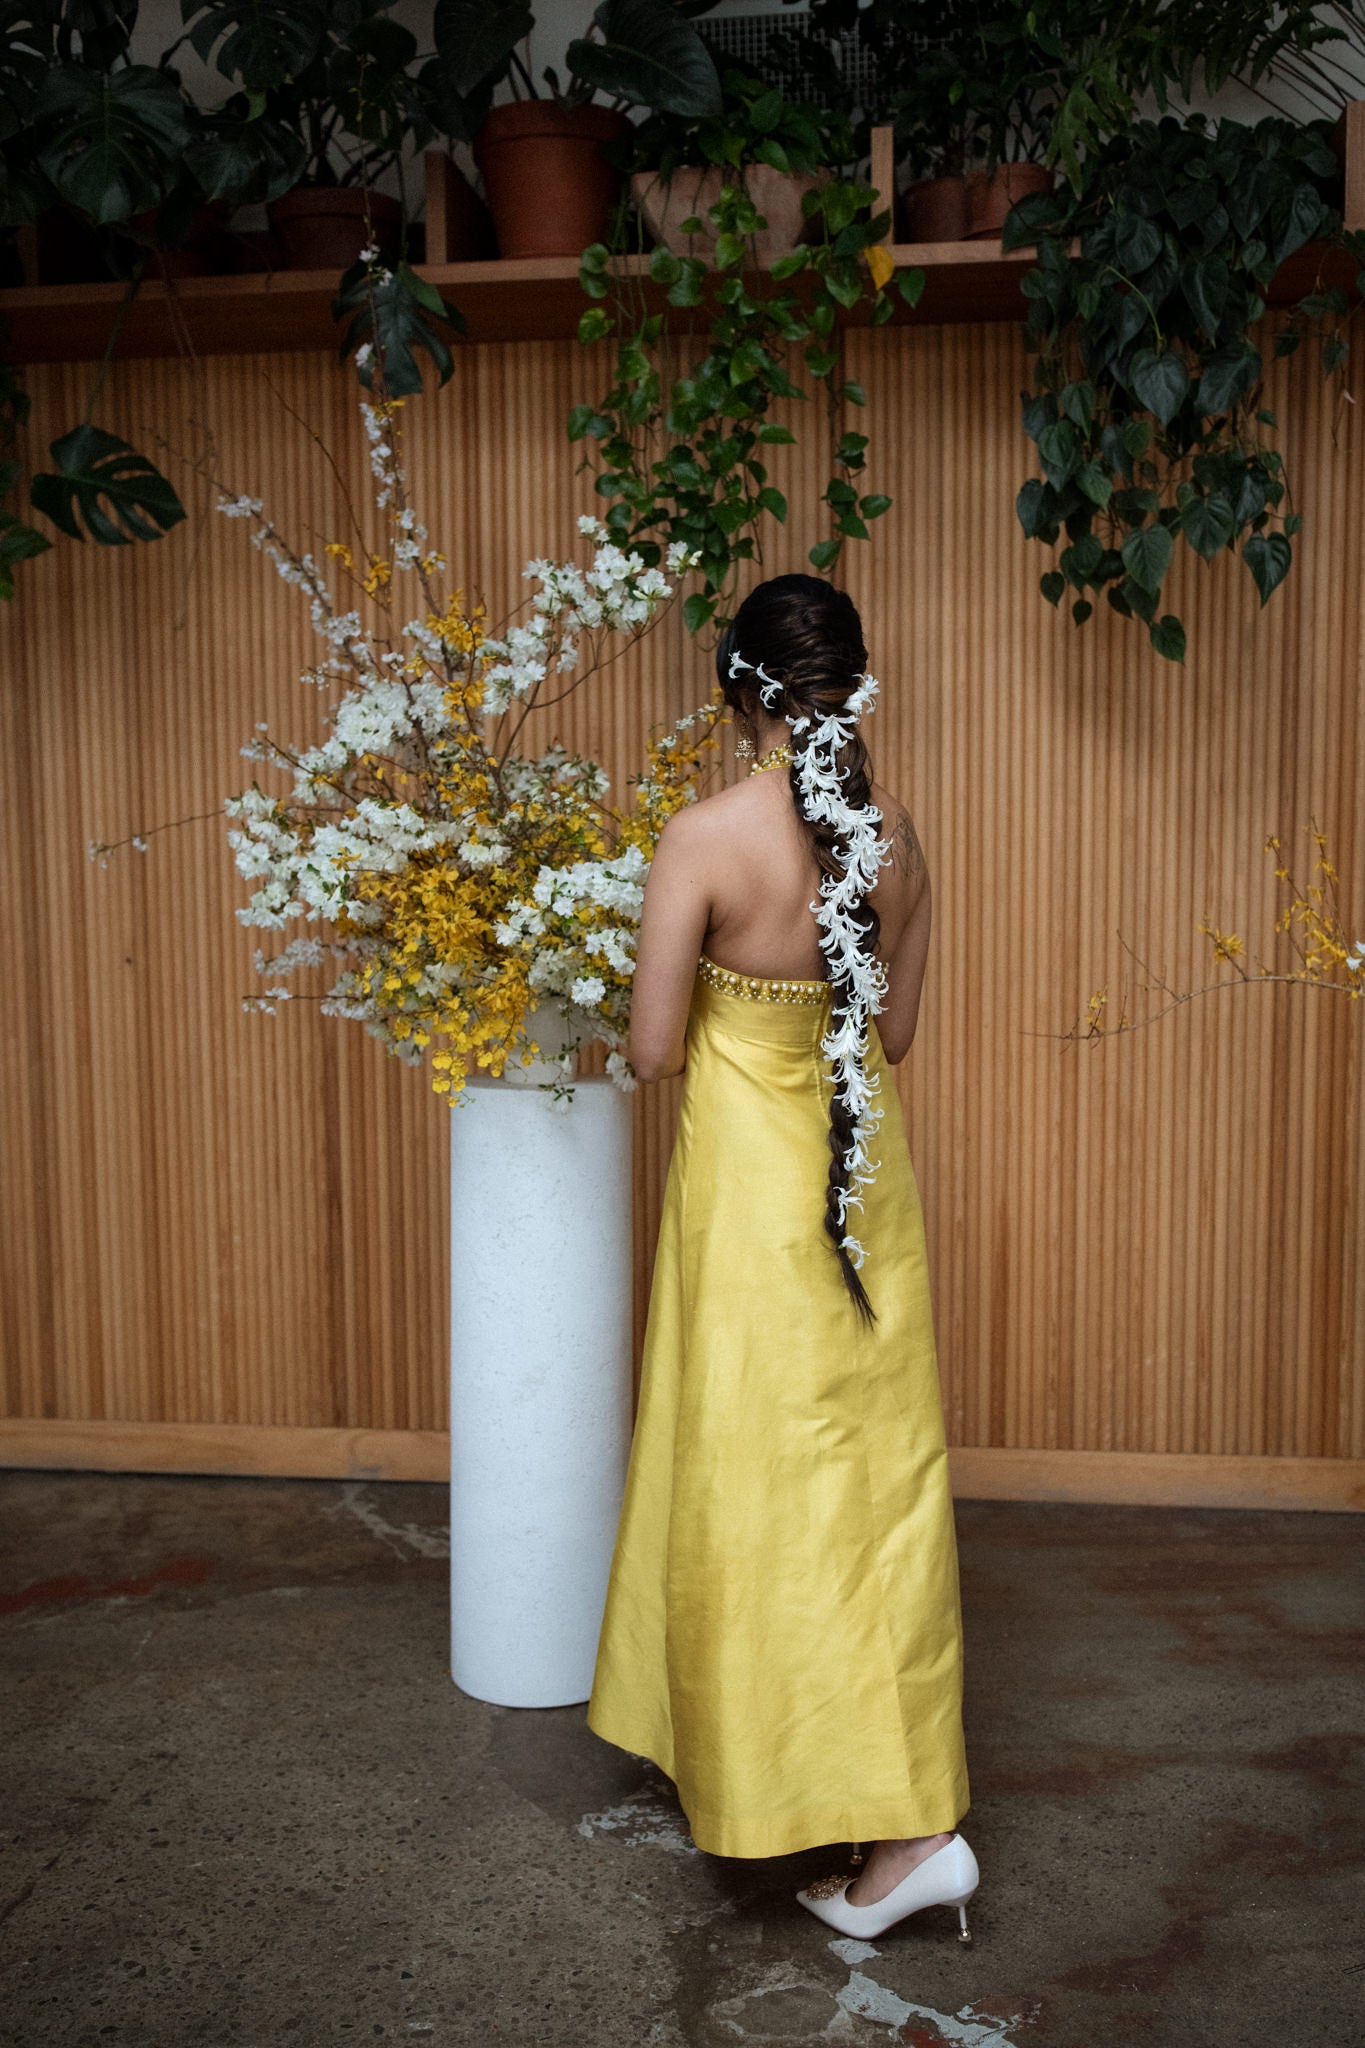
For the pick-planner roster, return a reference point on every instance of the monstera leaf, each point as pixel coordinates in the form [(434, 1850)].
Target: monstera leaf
[(116, 137), (95, 469), (650, 57), (390, 312), (26, 48), (258, 42), (240, 154), (474, 40)]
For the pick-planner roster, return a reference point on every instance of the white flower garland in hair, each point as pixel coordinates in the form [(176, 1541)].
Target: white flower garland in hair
[(861, 853)]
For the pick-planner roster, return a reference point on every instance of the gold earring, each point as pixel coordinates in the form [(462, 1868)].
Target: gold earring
[(744, 747)]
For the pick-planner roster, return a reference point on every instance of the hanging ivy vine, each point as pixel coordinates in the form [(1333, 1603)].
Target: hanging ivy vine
[(685, 458), (1146, 408)]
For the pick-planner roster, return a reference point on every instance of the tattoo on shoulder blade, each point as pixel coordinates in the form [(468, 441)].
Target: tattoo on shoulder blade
[(908, 856)]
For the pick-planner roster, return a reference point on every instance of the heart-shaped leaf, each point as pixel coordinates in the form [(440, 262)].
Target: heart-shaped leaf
[(1167, 636), (1227, 375), (650, 57), (1208, 524), (1204, 281), (475, 38), (1160, 381), (1268, 556), (1137, 241), (1147, 556)]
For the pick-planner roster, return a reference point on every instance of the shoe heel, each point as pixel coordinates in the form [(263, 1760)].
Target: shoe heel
[(964, 1931)]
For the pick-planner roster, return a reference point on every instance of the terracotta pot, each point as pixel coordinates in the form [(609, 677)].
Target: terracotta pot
[(991, 194), (549, 187), (323, 227), (695, 188), (936, 210)]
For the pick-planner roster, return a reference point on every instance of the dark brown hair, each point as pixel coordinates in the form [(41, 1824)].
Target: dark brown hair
[(808, 636)]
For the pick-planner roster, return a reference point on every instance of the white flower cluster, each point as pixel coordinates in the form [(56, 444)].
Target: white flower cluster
[(616, 592), (862, 853), (303, 850), (309, 877)]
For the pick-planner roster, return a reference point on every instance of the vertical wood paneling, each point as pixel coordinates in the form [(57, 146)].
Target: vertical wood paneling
[(1146, 1244)]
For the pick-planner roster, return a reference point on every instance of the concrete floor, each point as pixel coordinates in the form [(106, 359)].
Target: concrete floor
[(244, 1803)]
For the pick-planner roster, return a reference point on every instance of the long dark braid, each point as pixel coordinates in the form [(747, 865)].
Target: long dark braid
[(808, 636)]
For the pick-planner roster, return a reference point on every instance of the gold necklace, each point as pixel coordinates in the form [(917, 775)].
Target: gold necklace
[(773, 760)]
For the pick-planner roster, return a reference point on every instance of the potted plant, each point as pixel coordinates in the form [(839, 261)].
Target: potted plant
[(93, 143), (1009, 57), (340, 87), (773, 149), (90, 141), (548, 183), (683, 460), (921, 60)]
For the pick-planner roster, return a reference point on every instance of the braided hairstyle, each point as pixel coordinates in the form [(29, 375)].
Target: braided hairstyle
[(806, 639)]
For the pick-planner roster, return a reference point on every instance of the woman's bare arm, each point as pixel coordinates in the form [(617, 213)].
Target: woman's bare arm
[(673, 927), (896, 1024)]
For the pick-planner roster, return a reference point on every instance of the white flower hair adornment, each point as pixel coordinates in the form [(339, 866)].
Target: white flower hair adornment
[(862, 853), (769, 689)]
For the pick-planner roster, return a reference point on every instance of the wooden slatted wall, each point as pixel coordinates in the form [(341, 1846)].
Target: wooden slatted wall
[(225, 1235)]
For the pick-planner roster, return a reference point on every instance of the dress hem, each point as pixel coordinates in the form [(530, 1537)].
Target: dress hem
[(787, 1838)]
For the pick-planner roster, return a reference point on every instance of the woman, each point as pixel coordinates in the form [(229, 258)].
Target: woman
[(783, 1631)]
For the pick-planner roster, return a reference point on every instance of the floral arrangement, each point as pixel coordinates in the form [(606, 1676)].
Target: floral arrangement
[(464, 885)]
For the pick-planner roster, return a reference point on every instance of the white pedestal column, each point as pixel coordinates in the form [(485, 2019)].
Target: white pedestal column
[(540, 1383)]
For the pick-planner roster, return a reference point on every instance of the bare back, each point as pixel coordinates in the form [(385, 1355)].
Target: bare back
[(734, 877)]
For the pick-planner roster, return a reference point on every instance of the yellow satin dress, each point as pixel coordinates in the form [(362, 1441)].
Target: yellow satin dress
[(782, 1633)]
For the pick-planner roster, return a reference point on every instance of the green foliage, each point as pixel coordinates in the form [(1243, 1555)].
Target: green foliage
[(19, 541), (1145, 402), (754, 124), (395, 311), (263, 43), (111, 140), (682, 461), (648, 56), (329, 90), (475, 40), (1055, 79), (95, 471)]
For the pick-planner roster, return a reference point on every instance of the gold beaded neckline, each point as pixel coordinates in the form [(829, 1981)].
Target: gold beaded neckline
[(775, 759), (759, 988)]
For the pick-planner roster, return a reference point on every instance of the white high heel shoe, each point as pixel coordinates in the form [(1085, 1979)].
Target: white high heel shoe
[(947, 1878)]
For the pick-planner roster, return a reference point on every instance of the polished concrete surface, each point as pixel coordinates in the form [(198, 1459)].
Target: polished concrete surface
[(243, 1802)]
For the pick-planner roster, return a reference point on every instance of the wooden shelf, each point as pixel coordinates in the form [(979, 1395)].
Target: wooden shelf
[(525, 299), (532, 299)]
